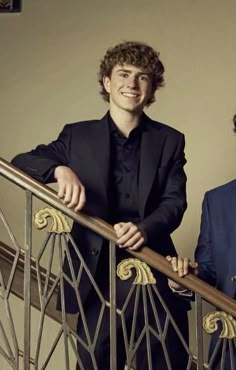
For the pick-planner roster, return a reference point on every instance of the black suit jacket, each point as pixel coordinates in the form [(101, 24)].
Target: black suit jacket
[(85, 148)]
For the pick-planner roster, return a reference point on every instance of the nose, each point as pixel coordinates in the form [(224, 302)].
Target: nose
[(132, 82)]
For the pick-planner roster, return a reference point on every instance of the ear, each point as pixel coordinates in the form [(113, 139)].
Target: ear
[(106, 83)]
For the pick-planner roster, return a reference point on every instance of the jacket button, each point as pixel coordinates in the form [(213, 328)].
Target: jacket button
[(233, 278), (94, 252)]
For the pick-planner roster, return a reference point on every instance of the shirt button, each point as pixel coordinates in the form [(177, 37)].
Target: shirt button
[(233, 278), (94, 252)]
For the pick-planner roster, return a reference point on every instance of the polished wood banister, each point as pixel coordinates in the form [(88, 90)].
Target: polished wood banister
[(152, 258)]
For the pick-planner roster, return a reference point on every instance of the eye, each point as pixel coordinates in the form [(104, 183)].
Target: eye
[(144, 77), (123, 74)]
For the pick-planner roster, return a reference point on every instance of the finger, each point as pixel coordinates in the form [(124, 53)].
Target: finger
[(129, 234), (180, 266), (74, 197), (174, 264), (137, 245), (68, 194), (82, 199), (168, 258), (131, 241), (186, 266), (61, 190)]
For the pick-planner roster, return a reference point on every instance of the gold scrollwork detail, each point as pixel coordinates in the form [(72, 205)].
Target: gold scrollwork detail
[(59, 223), (144, 274), (228, 323)]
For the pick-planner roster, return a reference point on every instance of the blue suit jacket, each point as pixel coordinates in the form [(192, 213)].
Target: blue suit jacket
[(216, 248)]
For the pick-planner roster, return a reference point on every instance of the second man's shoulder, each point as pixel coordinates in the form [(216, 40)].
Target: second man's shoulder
[(222, 190)]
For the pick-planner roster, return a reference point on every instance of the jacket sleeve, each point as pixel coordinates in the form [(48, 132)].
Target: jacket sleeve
[(41, 162), (172, 201), (204, 253)]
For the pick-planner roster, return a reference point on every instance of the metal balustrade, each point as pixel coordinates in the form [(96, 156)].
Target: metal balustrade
[(36, 276)]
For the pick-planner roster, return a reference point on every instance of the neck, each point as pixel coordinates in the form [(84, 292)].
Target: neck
[(125, 121)]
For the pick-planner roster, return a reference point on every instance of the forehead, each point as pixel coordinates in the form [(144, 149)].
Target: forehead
[(129, 68)]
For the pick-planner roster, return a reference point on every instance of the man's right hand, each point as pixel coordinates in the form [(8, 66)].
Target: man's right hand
[(70, 189)]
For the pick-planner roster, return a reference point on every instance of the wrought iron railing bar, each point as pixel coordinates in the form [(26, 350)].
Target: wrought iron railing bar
[(52, 349), (39, 338), (222, 366), (231, 351), (50, 262), (146, 324), (13, 332), (50, 294), (74, 347), (112, 278), (7, 344), (134, 319), (17, 250), (199, 332), (63, 311), (3, 353), (27, 279), (37, 265)]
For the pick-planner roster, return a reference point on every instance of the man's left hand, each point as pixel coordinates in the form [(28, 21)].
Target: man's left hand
[(129, 235)]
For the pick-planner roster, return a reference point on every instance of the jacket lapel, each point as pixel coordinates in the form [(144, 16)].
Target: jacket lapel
[(151, 148)]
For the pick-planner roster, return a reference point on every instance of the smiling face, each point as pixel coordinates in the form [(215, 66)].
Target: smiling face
[(129, 88)]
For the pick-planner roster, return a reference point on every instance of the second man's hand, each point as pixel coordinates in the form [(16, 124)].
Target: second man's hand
[(70, 189), (129, 235), (182, 266)]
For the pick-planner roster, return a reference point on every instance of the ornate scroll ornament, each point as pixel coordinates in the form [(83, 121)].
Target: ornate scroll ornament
[(144, 274), (228, 322), (59, 223)]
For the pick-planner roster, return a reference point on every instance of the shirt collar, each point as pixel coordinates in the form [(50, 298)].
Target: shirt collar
[(114, 129)]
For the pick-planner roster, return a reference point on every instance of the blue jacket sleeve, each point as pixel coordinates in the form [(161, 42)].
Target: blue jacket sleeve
[(204, 253)]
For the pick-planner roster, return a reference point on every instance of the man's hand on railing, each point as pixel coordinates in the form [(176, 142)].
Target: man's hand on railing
[(70, 189), (182, 266), (129, 235)]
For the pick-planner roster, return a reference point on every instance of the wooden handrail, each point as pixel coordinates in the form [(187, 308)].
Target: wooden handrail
[(101, 227)]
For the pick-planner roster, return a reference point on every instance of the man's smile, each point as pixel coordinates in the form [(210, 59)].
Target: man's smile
[(130, 95)]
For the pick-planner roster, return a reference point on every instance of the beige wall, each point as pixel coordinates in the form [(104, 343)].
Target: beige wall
[(48, 76)]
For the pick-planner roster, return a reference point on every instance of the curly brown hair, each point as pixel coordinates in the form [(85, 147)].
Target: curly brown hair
[(135, 53), (234, 122)]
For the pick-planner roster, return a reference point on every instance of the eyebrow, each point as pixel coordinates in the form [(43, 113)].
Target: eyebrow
[(129, 71)]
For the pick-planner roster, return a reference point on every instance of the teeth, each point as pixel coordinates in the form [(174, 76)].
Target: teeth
[(131, 95)]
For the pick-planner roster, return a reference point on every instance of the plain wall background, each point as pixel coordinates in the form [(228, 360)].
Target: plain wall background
[(49, 59)]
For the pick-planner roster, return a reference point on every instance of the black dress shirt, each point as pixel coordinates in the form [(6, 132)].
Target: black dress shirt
[(124, 173)]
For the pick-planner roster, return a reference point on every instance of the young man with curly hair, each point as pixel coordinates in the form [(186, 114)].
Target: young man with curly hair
[(128, 170)]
